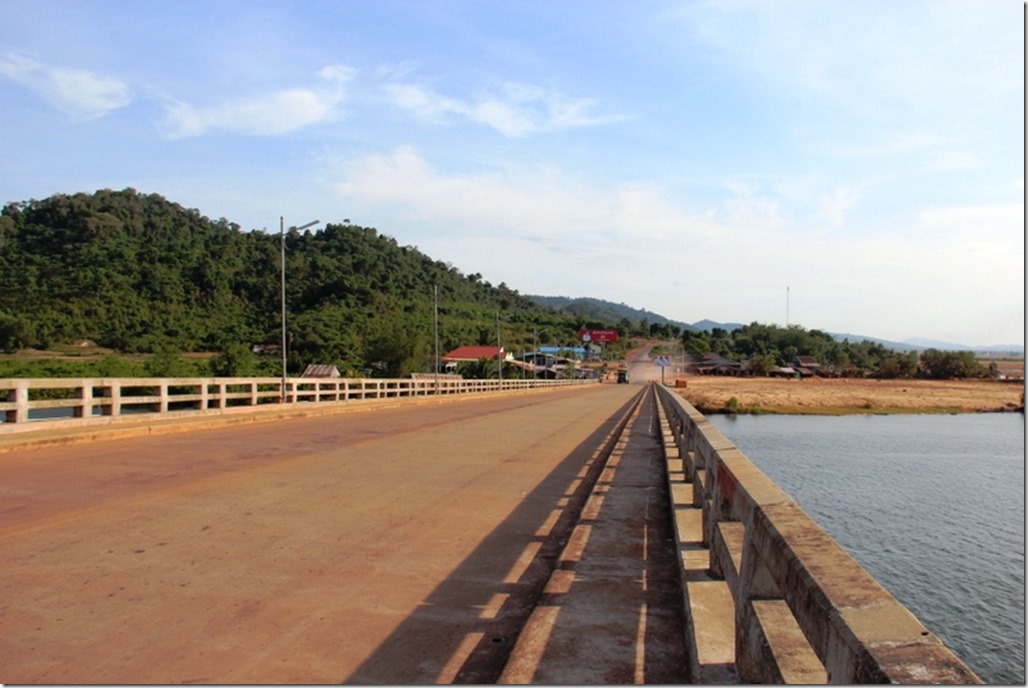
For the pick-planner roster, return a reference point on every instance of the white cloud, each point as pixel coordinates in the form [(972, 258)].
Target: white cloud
[(545, 230), (537, 201), (76, 92), (516, 109), (836, 206), (265, 115)]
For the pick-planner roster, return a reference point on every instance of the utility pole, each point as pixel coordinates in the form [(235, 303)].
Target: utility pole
[(435, 291), (787, 307), (499, 350), (535, 356), (282, 236)]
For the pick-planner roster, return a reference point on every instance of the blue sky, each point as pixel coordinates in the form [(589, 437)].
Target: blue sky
[(854, 166)]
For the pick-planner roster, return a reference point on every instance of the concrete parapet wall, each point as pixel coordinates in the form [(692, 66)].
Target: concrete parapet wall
[(804, 610)]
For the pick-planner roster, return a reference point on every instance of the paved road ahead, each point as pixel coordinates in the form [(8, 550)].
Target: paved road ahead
[(391, 546)]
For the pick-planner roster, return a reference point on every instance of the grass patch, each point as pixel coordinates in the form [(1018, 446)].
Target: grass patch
[(851, 397)]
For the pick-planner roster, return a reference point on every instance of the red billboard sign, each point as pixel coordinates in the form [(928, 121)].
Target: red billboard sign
[(598, 335)]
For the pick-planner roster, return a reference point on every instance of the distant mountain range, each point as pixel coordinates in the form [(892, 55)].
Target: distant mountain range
[(920, 343), (610, 312), (607, 311)]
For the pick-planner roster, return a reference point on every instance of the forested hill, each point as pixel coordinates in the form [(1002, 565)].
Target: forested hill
[(138, 273), (626, 316), (597, 309)]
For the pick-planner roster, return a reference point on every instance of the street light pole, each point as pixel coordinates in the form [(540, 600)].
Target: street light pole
[(435, 293), (499, 352), (282, 237)]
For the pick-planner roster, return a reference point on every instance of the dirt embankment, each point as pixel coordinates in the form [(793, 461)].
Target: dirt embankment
[(717, 394)]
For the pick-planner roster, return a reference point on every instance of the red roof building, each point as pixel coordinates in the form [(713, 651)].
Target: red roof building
[(476, 353)]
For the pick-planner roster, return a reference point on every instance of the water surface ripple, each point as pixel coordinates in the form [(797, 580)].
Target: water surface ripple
[(932, 506)]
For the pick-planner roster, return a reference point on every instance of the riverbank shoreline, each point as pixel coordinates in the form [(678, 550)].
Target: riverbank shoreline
[(848, 396)]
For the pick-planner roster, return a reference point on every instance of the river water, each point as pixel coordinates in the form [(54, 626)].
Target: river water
[(931, 505)]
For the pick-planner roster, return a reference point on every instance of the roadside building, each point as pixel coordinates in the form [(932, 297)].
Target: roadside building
[(714, 364), (544, 365), (321, 370), (806, 366), (576, 352), (471, 354)]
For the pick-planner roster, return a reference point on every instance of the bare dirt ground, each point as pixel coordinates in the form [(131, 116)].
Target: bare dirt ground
[(712, 394)]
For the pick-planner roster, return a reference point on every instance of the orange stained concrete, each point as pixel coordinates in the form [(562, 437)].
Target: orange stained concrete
[(612, 611), (401, 545)]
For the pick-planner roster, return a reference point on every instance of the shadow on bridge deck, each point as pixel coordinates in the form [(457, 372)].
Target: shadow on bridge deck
[(582, 582)]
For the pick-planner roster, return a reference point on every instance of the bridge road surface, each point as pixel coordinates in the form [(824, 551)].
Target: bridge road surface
[(398, 545)]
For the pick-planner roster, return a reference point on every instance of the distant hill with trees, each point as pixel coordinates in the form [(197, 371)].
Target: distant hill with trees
[(607, 311), (640, 320), (768, 346), (138, 274), (135, 272)]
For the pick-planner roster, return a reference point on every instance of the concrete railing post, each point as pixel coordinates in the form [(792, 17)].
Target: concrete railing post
[(163, 393), (84, 394), (754, 662), (110, 390), (19, 394)]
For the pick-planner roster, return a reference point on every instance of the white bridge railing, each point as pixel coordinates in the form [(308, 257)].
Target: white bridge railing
[(25, 403)]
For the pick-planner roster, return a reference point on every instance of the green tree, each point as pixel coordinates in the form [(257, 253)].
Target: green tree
[(721, 342), (118, 366), (899, 365), (16, 332), (762, 365), (234, 360), (482, 369), (943, 365), (168, 363), (696, 345)]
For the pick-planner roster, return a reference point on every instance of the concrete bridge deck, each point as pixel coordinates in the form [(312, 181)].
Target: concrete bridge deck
[(599, 534), (408, 545)]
